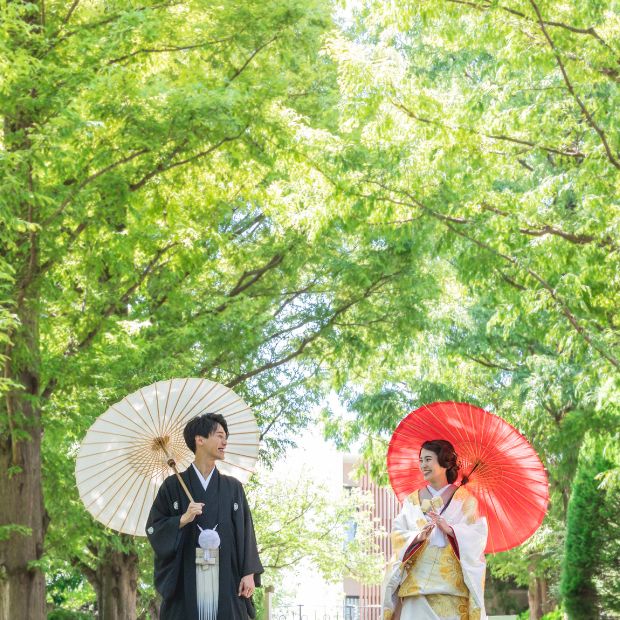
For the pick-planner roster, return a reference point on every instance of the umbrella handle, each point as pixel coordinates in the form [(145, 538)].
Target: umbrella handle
[(176, 471), (466, 478), (161, 443)]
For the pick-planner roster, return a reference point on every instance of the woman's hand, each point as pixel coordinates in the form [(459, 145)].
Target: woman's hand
[(193, 510), (441, 523), (425, 533)]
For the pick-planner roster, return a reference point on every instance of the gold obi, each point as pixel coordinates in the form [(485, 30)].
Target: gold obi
[(434, 570)]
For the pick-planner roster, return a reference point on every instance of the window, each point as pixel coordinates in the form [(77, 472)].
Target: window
[(351, 608)]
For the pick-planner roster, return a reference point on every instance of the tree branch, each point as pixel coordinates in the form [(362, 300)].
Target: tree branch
[(307, 340), (72, 8), (169, 48), (586, 31), (488, 364), (243, 284), (572, 319), (87, 571), (238, 72), (571, 90), (547, 229), (552, 292), (108, 20), (89, 180), (500, 137), (162, 167), (248, 278)]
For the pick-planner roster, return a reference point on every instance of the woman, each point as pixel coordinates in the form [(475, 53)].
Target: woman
[(438, 540)]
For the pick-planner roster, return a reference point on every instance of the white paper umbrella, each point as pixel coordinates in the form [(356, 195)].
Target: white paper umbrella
[(132, 447)]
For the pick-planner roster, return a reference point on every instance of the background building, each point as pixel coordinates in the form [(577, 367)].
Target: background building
[(363, 602)]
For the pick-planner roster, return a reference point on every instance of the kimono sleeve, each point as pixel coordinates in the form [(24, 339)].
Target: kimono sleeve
[(470, 531), (250, 563), (162, 530), (407, 525)]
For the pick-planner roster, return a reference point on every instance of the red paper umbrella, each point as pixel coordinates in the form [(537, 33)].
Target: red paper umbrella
[(504, 471)]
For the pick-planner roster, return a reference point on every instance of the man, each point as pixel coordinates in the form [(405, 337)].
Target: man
[(175, 524)]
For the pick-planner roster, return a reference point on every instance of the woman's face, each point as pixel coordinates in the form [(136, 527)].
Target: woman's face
[(430, 467)]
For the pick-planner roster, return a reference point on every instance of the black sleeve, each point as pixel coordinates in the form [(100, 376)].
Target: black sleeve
[(250, 563), (162, 530)]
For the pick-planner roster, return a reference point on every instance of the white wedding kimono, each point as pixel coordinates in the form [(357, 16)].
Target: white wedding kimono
[(443, 579)]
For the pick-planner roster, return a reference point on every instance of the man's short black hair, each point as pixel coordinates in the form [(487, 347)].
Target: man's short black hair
[(203, 425)]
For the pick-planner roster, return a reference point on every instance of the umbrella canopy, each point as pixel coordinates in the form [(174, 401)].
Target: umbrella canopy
[(130, 449), (505, 473)]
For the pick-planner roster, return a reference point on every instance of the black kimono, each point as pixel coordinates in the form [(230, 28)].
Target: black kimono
[(175, 549)]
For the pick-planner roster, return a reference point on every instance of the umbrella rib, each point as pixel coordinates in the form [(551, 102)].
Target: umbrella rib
[(152, 494), (251, 471), (171, 416), (499, 521), (104, 420), (522, 499), (217, 398), (122, 449), (135, 477), (166, 405), (232, 414), (183, 415), (463, 434), (125, 416), (102, 494), (248, 456), (144, 495), (149, 418), (128, 440), (141, 428), (239, 423), (158, 413), (109, 468), (127, 458), (523, 485), (109, 463)]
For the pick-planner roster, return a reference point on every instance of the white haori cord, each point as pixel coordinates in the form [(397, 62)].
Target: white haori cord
[(207, 574)]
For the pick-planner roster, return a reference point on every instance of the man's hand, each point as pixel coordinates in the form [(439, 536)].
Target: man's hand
[(246, 587), (193, 510)]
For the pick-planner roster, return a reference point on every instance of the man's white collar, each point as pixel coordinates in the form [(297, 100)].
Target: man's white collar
[(204, 481)]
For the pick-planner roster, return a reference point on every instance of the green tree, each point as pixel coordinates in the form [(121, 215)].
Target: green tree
[(590, 580), (585, 536), (101, 104), (482, 133)]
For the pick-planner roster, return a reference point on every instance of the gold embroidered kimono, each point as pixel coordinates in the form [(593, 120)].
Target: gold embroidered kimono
[(435, 582)]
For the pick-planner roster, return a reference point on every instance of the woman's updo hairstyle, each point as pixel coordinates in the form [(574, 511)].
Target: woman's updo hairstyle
[(446, 456)]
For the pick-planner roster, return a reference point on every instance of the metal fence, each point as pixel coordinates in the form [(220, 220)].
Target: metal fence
[(322, 612)]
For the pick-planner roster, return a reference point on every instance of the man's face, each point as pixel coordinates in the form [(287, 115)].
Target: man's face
[(214, 445)]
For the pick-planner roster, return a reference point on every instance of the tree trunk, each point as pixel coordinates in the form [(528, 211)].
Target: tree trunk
[(538, 597), (118, 580), (22, 586)]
